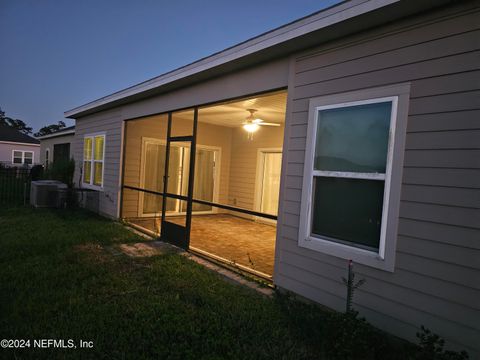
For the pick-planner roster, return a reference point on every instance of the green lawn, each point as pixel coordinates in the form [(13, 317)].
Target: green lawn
[(58, 281)]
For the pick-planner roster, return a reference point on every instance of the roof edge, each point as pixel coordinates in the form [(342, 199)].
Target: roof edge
[(19, 143), (67, 131), (316, 21)]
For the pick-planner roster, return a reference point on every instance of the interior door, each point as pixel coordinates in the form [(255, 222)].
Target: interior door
[(204, 185), (154, 152), (270, 177)]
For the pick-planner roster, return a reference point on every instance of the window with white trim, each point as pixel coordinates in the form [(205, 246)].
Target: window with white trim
[(93, 160), (22, 157), (346, 198)]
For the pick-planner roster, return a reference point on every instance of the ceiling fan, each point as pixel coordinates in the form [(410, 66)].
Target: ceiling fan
[(252, 124)]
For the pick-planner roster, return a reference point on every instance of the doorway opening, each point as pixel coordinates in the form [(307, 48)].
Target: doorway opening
[(268, 182), (152, 171)]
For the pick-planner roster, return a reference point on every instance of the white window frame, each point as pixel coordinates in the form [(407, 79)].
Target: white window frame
[(23, 156), (90, 184), (385, 257)]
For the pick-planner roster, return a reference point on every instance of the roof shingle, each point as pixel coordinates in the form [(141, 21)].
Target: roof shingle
[(8, 133)]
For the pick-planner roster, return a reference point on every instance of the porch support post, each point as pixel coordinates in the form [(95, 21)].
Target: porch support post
[(191, 177), (122, 180), (165, 173)]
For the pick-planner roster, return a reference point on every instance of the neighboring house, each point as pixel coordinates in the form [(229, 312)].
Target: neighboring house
[(17, 149), (372, 154), (56, 146)]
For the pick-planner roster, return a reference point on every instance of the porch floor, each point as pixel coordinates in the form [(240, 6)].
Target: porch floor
[(242, 241)]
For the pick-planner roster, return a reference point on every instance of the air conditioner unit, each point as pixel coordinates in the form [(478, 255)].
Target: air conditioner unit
[(47, 193), (91, 200)]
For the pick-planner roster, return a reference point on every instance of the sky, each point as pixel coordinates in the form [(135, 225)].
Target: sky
[(57, 55)]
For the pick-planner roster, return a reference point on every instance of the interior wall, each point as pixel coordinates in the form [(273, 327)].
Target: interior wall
[(153, 127), (245, 157), (219, 136), (156, 127), (237, 183)]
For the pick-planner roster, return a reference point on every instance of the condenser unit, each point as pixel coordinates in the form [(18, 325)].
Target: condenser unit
[(47, 193)]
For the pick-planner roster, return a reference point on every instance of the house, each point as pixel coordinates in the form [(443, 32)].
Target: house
[(351, 133), (56, 146), (17, 148)]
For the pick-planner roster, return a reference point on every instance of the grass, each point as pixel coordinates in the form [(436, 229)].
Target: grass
[(57, 281)]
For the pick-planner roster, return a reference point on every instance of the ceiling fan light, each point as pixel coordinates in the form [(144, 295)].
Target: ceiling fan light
[(251, 128)]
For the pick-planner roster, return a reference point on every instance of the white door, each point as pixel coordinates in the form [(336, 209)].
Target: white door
[(153, 170), (205, 182), (153, 166), (268, 181)]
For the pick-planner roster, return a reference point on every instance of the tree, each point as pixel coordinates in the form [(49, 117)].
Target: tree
[(14, 123), (50, 129)]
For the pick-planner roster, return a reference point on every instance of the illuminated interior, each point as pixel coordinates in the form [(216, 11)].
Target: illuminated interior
[(237, 164)]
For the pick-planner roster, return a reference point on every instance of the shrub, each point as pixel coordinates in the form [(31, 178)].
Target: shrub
[(36, 172), (431, 348), (351, 337), (61, 170)]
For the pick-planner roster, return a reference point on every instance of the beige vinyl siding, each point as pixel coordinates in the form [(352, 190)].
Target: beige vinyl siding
[(436, 281), (151, 127), (261, 78), (244, 160), (109, 122), (264, 77), (49, 144)]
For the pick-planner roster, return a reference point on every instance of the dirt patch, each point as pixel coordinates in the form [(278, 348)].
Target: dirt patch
[(93, 251), (138, 250), (144, 249)]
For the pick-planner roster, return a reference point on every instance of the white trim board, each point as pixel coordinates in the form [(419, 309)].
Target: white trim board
[(385, 257), (18, 143)]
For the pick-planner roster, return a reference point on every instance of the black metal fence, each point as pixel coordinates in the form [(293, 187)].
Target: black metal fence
[(14, 186)]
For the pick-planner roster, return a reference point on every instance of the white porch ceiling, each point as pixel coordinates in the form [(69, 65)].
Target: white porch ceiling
[(271, 108)]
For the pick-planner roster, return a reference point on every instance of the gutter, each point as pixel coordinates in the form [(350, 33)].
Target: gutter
[(18, 143)]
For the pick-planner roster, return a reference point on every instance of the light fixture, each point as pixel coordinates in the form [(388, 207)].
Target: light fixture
[(252, 124), (251, 127)]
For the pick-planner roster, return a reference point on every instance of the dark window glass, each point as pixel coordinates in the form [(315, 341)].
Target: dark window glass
[(17, 157), (61, 152), (353, 138), (348, 210)]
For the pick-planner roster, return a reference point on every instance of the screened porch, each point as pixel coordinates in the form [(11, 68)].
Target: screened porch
[(236, 178)]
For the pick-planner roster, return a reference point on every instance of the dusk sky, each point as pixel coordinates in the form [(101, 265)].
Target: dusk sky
[(56, 55)]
